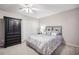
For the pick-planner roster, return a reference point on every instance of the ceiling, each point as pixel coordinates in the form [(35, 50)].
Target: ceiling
[(44, 9)]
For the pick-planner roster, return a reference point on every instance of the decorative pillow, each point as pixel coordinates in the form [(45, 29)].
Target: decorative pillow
[(48, 33), (54, 34), (48, 30), (59, 33)]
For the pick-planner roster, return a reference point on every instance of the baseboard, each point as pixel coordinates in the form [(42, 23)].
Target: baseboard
[(72, 45)]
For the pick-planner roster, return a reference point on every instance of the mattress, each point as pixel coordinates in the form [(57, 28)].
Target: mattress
[(44, 44)]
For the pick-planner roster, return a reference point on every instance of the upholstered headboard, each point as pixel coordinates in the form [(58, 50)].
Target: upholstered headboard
[(50, 29), (57, 28)]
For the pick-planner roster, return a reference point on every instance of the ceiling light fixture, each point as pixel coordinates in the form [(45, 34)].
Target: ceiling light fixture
[(28, 8)]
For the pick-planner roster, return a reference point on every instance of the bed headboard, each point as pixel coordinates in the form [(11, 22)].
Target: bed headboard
[(54, 29), (57, 28)]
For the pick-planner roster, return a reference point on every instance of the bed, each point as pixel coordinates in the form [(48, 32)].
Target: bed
[(46, 43)]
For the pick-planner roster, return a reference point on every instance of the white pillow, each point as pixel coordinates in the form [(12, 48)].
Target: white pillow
[(54, 34)]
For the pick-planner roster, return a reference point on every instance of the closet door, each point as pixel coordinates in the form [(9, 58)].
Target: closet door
[(12, 31)]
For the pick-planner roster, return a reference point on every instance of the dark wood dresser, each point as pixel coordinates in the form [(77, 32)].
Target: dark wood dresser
[(12, 31)]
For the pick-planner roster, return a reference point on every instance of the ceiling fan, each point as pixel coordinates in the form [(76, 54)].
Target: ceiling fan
[(28, 8)]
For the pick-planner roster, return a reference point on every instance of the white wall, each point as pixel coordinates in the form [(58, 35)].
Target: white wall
[(69, 20), (29, 25)]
